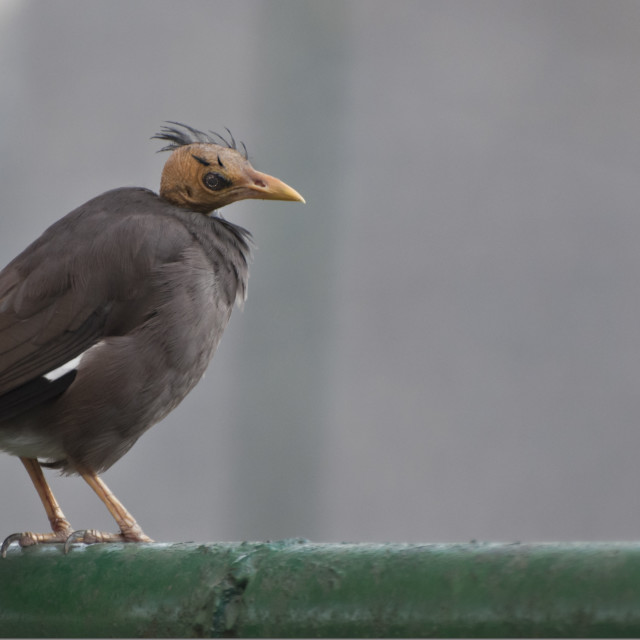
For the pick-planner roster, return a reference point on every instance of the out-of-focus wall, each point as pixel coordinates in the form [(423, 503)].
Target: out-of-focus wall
[(443, 343)]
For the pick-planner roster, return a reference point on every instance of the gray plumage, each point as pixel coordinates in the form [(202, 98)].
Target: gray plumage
[(141, 287)]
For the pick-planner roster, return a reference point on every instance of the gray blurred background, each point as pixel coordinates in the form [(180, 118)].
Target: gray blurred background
[(444, 343)]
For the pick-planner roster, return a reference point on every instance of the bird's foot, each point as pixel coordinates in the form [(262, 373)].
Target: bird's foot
[(91, 536), (28, 538)]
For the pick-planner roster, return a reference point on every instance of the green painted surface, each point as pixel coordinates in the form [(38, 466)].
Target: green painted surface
[(294, 589)]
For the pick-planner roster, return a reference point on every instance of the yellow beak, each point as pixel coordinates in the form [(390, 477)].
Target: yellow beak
[(265, 187)]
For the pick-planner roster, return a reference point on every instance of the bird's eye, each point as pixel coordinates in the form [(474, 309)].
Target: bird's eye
[(215, 181)]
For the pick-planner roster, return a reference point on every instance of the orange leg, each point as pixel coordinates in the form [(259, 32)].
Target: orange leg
[(130, 530), (61, 529)]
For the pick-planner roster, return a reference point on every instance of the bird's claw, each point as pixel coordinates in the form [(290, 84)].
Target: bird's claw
[(91, 536), (8, 541), (28, 539), (76, 536), (83, 536)]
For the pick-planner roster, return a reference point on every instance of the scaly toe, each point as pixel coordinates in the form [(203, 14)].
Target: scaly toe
[(91, 536), (28, 539)]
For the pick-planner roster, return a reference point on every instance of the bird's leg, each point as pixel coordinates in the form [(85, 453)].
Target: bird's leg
[(130, 530), (56, 518), (61, 529)]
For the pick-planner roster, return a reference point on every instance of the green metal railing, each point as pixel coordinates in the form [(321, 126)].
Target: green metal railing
[(299, 589)]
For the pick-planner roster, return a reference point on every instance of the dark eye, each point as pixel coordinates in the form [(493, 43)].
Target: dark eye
[(215, 181)]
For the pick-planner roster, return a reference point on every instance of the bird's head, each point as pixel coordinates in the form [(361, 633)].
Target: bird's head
[(205, 172)]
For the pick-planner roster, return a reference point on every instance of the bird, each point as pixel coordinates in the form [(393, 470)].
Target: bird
[(112, 315)]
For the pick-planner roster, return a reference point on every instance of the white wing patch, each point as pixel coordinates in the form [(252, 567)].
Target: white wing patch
[(65, 368)]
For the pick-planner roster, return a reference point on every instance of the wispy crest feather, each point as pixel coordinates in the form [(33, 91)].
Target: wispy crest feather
[(188, 135)]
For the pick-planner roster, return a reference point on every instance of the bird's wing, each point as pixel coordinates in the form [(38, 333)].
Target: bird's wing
[(32, 344), (75, 283)]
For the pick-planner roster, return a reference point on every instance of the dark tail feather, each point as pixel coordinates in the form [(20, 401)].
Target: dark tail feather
[(33, 393)]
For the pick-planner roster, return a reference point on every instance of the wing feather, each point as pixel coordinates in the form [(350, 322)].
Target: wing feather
[(86, 276)]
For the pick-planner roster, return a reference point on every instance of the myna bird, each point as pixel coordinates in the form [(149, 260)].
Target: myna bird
[(111, 317)]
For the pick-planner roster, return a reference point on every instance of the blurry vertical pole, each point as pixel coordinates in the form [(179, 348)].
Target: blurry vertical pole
[(281, 403), (12, 74)]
